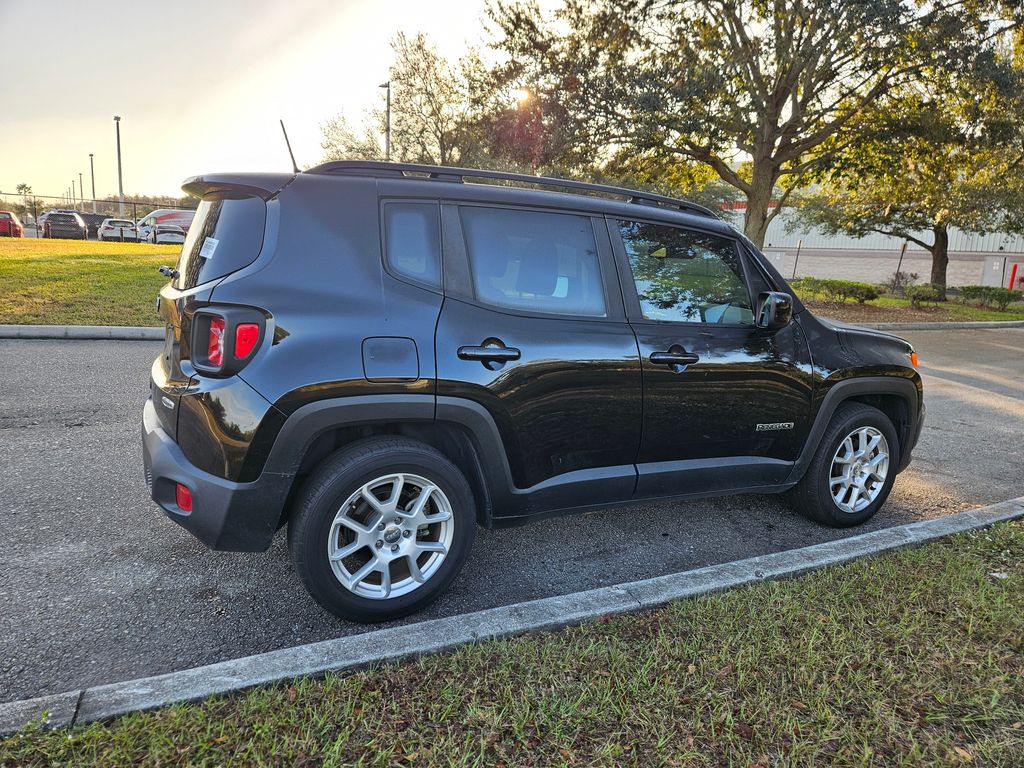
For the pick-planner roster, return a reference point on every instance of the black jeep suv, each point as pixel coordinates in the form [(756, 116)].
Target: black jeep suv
[(384, 356)]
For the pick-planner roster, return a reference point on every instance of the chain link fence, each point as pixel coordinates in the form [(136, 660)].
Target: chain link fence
[(30, 207)]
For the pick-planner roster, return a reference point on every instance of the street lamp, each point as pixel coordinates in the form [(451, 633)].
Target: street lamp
[(92, 176), (120, 184), (387, 122), (81, 192)]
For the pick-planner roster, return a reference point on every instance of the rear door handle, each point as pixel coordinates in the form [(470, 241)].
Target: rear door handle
[(489, 354), (492, 353), (674, 358)]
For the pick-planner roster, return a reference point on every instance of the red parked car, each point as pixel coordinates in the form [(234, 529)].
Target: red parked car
[(9, 225)]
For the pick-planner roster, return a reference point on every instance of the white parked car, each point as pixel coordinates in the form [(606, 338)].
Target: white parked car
[(165, 234), (180, 218), (118, 229)]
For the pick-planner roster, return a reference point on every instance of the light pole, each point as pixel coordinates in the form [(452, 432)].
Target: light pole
[(387, 122), (81, 192), (92, 176), (120, 184), (74, 202)]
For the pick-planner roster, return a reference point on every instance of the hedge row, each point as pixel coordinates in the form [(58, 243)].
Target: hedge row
[(989, 296), (836, 290)]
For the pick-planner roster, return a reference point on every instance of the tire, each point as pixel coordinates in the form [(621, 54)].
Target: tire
[(377, 466), (813, 495)]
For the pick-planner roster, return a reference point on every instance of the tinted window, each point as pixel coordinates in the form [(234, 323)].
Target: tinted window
[(539, 262), (4, 215), (686, 276), (225, 235), (412, 237)]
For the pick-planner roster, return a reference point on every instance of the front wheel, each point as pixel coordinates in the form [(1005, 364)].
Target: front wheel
[(851, 475), (381, 529)]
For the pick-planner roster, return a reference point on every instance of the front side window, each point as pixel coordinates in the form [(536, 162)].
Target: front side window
[(686, 276), (412, 238), (533, 261)]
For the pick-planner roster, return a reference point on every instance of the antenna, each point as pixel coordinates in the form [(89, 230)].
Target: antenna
[(295, 166)]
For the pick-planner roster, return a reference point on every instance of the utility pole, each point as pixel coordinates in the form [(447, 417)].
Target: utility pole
[(387, 122), (92, 176), (120, 183)]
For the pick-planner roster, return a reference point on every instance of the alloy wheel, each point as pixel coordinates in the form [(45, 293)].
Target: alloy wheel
[(390, 536)]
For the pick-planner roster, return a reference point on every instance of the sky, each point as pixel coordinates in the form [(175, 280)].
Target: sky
[(199, 84)]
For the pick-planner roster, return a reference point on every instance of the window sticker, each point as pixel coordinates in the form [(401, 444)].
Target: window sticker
[(209, 246)]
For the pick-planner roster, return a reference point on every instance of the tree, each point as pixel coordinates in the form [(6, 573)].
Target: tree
[(342, 142), (429, 105), (754, 89), (946, 152)]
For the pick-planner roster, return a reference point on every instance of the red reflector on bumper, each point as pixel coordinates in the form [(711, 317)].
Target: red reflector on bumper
[(184, 497)]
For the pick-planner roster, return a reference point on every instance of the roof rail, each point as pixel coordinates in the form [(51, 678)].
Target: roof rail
[(445, 173)]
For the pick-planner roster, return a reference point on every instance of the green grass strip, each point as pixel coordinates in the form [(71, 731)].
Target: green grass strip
[(912, 658)]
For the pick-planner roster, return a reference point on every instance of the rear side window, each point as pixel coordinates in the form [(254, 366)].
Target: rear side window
[(225, 235), (412, 241), (532, 261)]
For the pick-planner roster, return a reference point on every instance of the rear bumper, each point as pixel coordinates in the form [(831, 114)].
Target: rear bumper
[(238, 517)]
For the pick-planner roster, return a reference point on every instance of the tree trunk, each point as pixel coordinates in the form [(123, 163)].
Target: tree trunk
[(940, 259), (759, 198)]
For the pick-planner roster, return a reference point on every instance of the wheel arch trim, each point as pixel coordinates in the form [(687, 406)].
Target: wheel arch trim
[(842, 391)]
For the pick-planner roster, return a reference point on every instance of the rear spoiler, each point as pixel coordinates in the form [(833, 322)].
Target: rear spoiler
[(262, 185)]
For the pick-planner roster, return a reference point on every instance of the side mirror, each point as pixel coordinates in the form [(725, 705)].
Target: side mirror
[(774, 310)]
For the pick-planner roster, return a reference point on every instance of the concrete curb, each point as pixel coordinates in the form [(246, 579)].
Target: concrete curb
[(82, 332), (103, 702)]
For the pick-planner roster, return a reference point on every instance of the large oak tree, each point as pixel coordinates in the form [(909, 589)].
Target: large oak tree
[(755, 89)]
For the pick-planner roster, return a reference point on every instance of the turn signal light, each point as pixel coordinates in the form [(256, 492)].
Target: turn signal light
[(215, 346), (913, 359), (247, 335), (183, 496)]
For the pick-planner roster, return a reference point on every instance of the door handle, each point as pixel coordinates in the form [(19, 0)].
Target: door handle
[(674, 358), (489, 354), (492, 353)]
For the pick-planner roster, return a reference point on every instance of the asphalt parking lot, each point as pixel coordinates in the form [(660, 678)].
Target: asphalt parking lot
[(96, 586)]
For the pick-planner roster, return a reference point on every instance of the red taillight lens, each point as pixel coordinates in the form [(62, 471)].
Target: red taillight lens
[(183, 496), (246, 337), (215, 348)]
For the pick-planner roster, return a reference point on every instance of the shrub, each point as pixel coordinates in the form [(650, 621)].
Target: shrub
[(990, 296), (898, 281), (972, 293), (836, 290), (1003, 297), (921, 294)]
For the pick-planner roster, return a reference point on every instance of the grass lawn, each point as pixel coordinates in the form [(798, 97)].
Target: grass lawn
[(911, 658), (56, 282)]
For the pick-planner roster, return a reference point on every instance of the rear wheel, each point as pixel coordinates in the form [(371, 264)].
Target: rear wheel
[(381, 529), (851, 475)]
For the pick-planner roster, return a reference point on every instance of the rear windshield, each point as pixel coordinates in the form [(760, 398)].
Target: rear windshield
[(62, 218), (225, 235)]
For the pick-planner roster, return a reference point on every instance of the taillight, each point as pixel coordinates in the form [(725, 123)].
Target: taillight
[(246, 337), (215, 344), (225, 338)]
